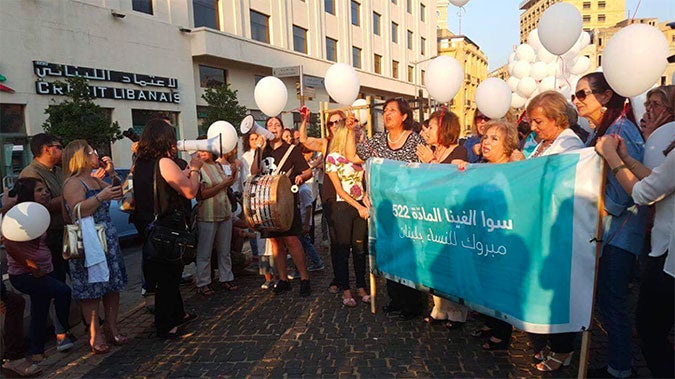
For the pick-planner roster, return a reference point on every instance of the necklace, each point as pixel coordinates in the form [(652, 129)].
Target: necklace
[(397, 139)]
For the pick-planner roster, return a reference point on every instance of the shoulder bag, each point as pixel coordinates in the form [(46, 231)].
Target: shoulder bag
[(73, 247)]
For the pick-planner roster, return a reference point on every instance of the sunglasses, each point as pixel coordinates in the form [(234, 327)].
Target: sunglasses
[(93, 152), (336, 123), (482, 118), (581, 94)]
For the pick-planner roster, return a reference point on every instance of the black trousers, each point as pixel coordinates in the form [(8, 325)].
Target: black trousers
[(559, 342), (169, 311), (350, 237), (55, 244), (408, 300), (654, 317), (500, 329), (15, 346)]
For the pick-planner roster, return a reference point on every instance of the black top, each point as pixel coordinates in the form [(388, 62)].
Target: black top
[(172, 205), (459, 153), (295, 163)]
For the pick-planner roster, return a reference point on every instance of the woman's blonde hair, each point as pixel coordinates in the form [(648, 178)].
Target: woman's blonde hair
[(74, 158), (554, 106), (339, 140), (510, 134)]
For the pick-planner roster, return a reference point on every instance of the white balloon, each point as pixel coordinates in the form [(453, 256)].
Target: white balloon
[(342, 83), (443, 78), (228, 133), (634, 59), (581, 65), (493, 97), (361, 114), (525, 53), (512, 57), (526, 86), (510, 67), (25, 222), (512, 81), (559, 27), (539, 70), (270, 95), (517, 101), (584, 40), (533, 39), (521, 69), (544, 55), (547, 84), (459, 3)]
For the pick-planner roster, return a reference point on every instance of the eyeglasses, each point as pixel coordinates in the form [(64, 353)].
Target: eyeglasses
[(653, 104), (58, 146), (581, 94), (482, 118), (93, 152), (336, 123)]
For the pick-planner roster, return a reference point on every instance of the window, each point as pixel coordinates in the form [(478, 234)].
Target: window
[(587, 5), (408, 6), (331, 49), (423, 13), (601, 4), (394, 1), (587, 18), (13, 141), (599, 60), (139, 117), (410, 74), (211, 76), (601, 18), (410, 39), (394, 32), (376, 23), (144, 6), (394, 69), (330, 6), (356, 13), (356, 57), (377, 64), (299, 39), (422, 76), (423, 45), (12, 118), (260, 27), (206, 13)]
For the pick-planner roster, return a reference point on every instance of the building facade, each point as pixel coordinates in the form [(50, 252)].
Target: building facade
[(147, 56)]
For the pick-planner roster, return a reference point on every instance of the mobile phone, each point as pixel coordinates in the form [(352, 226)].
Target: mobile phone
[(116, 181)]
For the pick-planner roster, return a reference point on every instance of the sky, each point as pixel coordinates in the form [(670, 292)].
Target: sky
[(494, 24)]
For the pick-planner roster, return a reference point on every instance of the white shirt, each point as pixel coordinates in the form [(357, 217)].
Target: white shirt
[(658, 188), (656, 143), (566, 141)]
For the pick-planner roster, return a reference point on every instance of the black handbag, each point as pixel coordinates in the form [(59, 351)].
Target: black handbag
[(169, 241)]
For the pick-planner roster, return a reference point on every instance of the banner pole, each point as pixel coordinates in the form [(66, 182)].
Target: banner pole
[(373, 287), (584, 354)]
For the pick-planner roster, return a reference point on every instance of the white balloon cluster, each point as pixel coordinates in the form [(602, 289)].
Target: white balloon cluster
[(533, 69)]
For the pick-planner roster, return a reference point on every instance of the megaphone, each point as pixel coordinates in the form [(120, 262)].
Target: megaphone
[(248, 124), (221, 139)]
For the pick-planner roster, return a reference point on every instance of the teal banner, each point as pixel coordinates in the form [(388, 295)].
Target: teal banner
[(509, 240)]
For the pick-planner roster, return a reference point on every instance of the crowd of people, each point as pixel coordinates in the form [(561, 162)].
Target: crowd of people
[(68, 181)]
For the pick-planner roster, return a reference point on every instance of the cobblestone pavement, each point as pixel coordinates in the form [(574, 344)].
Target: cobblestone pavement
[(252, 333)]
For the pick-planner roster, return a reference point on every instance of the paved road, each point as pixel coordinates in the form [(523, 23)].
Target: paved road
[(252, 333)]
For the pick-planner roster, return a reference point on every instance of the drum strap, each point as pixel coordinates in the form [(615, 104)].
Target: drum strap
[(283, 160)]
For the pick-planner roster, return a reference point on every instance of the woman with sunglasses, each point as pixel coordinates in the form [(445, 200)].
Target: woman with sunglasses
[(472, 143), (398, 142), (441, 133), (94, 196), (624, 224)]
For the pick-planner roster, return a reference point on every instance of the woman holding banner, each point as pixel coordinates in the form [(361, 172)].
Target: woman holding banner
[(549, 119), (398, 142), (655, 309), (472, 144), (441, 133), (624, 224)]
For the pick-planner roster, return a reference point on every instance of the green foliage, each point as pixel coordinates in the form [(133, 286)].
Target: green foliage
[(78, 117), (223, 105)]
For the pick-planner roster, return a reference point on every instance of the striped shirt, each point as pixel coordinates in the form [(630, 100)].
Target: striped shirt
[(216, 208)]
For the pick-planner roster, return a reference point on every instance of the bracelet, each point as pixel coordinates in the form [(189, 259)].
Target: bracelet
[(618, 168)]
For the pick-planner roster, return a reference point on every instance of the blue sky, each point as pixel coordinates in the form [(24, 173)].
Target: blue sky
[(494, 24)]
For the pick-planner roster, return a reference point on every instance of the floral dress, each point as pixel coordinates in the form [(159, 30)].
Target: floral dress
[(82, 289), (350, 174)]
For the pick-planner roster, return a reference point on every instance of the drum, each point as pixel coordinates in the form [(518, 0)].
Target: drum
[(268, 203)]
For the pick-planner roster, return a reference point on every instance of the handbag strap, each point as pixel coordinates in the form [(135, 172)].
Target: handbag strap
[(283, 161)]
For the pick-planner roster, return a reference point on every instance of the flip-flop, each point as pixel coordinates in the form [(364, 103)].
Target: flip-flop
[(350, 302), (434, 321)]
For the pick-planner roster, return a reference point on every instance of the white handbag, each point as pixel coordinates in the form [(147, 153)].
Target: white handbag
[(73, 247)]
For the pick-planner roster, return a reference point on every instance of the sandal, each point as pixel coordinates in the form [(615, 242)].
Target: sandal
[(554, 362), (229, 286), (365, 297), (22, 368), (481, 333), (205, 291), (100, 349), (492, 345), (434, 321), (187, 318), (541, 355), (333, 288), (349, 301), (453, 324)]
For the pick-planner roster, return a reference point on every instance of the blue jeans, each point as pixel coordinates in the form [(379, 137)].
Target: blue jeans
[(42, 291), (615, 272), (310, 251)]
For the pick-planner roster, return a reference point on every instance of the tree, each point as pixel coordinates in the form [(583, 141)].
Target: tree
[(78, 117), (223, 105)]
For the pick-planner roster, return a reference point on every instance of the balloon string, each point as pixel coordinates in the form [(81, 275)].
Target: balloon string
[(522, 116), (563, 72)]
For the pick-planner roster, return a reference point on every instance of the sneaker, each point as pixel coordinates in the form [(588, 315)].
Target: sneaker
[(315, 267), (267, 285), (294, 275), (305, 289), (282, 286), (64, 345)]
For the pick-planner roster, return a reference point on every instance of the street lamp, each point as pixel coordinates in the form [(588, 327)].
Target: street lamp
[(418, 91)]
